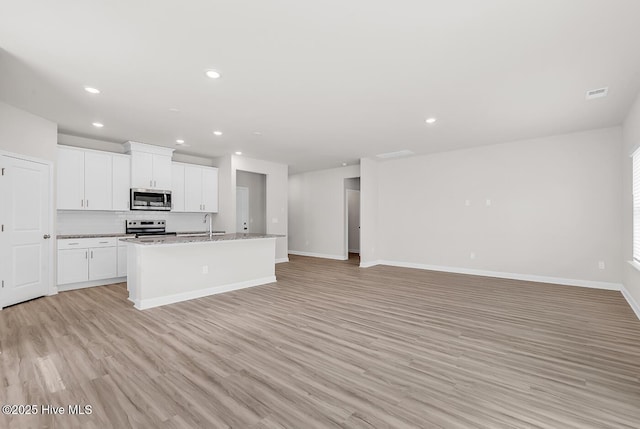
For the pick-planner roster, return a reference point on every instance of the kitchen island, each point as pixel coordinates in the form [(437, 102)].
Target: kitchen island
[(168, 269)]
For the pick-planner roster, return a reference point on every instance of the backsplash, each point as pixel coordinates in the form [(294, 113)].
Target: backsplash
[(90, 222)]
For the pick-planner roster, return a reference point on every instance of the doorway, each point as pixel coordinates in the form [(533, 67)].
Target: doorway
[(352, 219), (242, 209), (251, 202), (25, 218)]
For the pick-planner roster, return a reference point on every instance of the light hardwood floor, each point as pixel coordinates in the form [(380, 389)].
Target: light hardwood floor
[(328, 346)]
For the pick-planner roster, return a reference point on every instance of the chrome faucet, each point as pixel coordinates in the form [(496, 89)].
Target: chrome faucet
[(210, 223)]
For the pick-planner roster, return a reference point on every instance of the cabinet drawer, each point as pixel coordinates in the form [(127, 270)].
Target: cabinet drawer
[(85, 243)]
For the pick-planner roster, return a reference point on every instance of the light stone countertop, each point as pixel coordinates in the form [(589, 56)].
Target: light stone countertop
[(151, 240)]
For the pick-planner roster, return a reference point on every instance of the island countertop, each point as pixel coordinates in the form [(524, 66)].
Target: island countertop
[(205, 238)]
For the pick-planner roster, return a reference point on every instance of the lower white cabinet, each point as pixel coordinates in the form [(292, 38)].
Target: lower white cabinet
[(122, 259), (87, 260), (73, 266), (103, 263)]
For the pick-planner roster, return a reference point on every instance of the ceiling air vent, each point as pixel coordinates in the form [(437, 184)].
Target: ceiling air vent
[(397, 154), (597, 93)]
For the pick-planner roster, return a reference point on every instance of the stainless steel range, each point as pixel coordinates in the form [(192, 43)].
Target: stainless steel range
[(143, 228)]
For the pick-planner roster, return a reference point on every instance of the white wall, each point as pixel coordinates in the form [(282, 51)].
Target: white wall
[(631, 141), (257, 185), (555, 207), (276, 196), (317, 212), (27, 134), (368, 212)]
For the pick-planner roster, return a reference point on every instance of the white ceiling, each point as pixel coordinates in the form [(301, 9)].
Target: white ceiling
[(325, 82)]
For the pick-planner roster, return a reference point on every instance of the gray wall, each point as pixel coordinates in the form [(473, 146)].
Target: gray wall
[(257, 184), (555, 208)]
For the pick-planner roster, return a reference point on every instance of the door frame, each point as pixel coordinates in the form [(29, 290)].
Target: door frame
[(53, 287), (346, 220)]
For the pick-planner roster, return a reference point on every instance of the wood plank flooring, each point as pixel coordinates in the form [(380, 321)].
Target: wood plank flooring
[(330, 346)]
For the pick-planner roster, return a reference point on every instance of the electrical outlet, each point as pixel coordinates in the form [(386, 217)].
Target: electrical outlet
[(472, 255), (601, 265), (274, 220), (488, 202), (205, 269)]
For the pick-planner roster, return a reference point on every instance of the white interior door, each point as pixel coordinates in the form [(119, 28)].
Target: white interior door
[(24, 247), (242, 209), (353, 206)]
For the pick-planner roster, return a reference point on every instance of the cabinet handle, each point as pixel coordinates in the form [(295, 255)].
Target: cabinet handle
[(86, 254), (151, 183), (81, 203), (103, 242), (204, 207), (92, 254), (87, 203)]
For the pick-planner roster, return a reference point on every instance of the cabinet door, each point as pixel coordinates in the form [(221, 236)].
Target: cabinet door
[(121, 182), (177, 187), (73, 266), (193, 189), (161, 172), (70, 179), (98, 176), (141, 170), (210, 190), (103, 263), (122, 260)]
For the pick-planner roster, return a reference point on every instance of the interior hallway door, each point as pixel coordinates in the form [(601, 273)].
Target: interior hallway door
[(24, 215)]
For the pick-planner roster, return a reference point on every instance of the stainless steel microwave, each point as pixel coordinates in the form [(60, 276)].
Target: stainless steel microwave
[(150, 199)]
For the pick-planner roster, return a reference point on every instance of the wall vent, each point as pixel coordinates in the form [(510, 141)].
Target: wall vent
[(397, 154), (597, 93)]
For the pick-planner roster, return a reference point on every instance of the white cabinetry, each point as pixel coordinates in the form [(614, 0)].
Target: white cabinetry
[(122, 259), (92, 180), (201, 189), (150, 166), (121, 182), (87, 261), (177, 187), (70, 179)]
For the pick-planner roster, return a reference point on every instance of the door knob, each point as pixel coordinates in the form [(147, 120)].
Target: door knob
[(46, 236)]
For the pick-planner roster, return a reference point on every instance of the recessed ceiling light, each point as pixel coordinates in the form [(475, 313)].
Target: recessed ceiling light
[(218, 133), (180, 141), (344, 164), (91, 90), (257, 133), (431, 121), (213, 74), (174, 109), (238, 153), (97, 124)]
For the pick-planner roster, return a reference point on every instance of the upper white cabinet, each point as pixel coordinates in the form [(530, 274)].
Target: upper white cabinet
[(98, 177), (121, 182), (200, 189), (70, 179), (177, 187), (150, 166), (92, 180)]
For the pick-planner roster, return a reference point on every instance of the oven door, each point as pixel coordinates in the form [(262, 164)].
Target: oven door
[(150, 199)]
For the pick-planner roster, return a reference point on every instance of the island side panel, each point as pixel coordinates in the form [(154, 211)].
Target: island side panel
[(178, 272)]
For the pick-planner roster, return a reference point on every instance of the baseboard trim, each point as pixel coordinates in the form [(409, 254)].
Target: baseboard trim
[(354, 251), (369, 264), (632, 302), (92, 283), (144, 304), (281, 260), (318, 255), (512, 276)]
